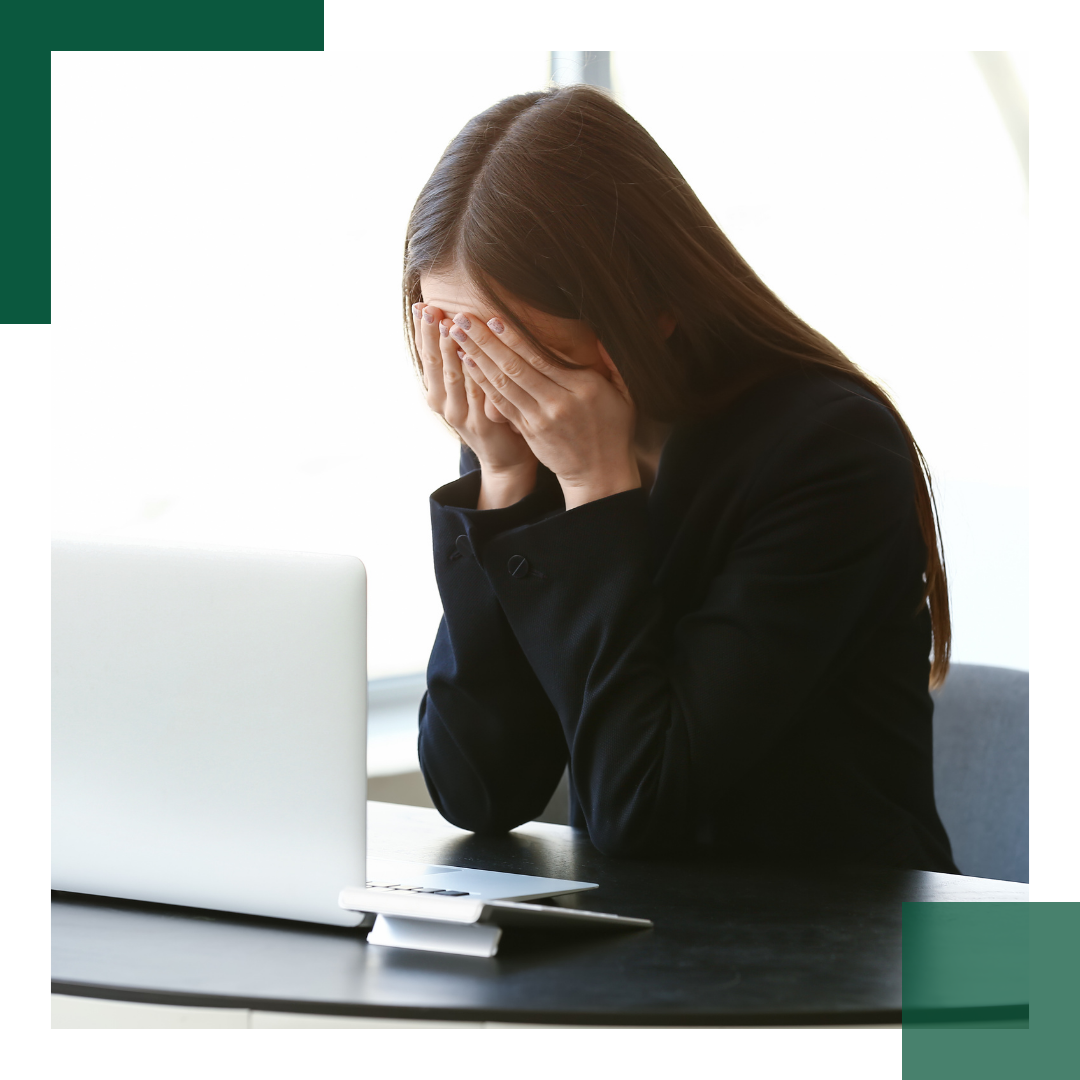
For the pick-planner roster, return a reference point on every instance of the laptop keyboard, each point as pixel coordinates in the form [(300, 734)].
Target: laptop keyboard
[(389, 886)]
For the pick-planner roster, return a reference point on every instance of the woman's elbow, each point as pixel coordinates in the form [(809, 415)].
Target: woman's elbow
[(476, 811)]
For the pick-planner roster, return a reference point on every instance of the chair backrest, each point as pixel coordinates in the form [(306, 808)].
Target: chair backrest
[(981, 769)]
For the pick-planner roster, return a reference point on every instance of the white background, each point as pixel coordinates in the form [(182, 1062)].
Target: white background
[(229, 362)]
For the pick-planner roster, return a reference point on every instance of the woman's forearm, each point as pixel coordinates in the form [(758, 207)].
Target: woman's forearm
[(491, 748)]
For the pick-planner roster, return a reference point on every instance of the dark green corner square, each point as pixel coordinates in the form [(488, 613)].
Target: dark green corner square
[(35, 30)]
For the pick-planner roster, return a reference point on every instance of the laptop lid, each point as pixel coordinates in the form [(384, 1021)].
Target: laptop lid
[(209, 710)]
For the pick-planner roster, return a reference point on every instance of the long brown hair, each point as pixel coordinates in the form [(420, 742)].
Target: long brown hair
[(560, 199)]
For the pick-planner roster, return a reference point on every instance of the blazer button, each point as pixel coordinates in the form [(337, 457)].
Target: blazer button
[(518, 566), (463, 546)]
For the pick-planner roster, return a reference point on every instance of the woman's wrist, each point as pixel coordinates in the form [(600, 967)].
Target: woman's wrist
[(504, 487), (580, 492)]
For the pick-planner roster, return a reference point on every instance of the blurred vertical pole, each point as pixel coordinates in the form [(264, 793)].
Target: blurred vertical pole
[(593, 68), (1009, 96)]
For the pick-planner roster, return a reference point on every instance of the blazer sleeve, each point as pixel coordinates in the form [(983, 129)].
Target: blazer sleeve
[(490, 744), (662, 718)]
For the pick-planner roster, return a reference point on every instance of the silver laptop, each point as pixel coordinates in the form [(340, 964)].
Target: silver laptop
[(209, 727)]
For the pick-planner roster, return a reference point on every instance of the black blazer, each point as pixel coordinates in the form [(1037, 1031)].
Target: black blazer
[(734, 664)]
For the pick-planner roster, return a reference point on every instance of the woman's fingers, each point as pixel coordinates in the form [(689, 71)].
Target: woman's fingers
[(514, 358), (477, 373), (456, 404), (475, 395), (492, 413), (425, 321), (418, 340), (449, 391), (512, 386)]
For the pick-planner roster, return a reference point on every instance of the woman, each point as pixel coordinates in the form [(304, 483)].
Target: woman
[(693, 551)]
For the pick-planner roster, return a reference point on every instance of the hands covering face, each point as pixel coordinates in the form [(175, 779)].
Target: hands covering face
[(458, 398), (511, 405)]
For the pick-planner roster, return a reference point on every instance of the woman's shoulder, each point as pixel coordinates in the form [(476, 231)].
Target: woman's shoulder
[(803, 428), (806, 394), (812, 405)]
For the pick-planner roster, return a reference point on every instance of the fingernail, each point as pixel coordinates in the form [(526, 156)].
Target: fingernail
[(496, 326), (444, 327), (416, 308), (460, 355), (428, 317), (468, 360), (459, 335), (463, 321)]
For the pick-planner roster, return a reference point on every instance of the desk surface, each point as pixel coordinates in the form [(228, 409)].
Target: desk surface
[(731, 945)]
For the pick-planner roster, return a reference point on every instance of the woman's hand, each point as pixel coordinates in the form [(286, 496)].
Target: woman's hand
[(577, 422), (507, 465)]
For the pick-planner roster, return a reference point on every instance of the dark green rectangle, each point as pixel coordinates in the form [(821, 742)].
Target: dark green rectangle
[(187, 25), (33, 31)]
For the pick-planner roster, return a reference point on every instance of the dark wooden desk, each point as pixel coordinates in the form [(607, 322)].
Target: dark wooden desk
[(731, 945)]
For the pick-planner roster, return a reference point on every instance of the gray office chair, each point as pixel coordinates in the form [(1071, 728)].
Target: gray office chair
[(981, 769)]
